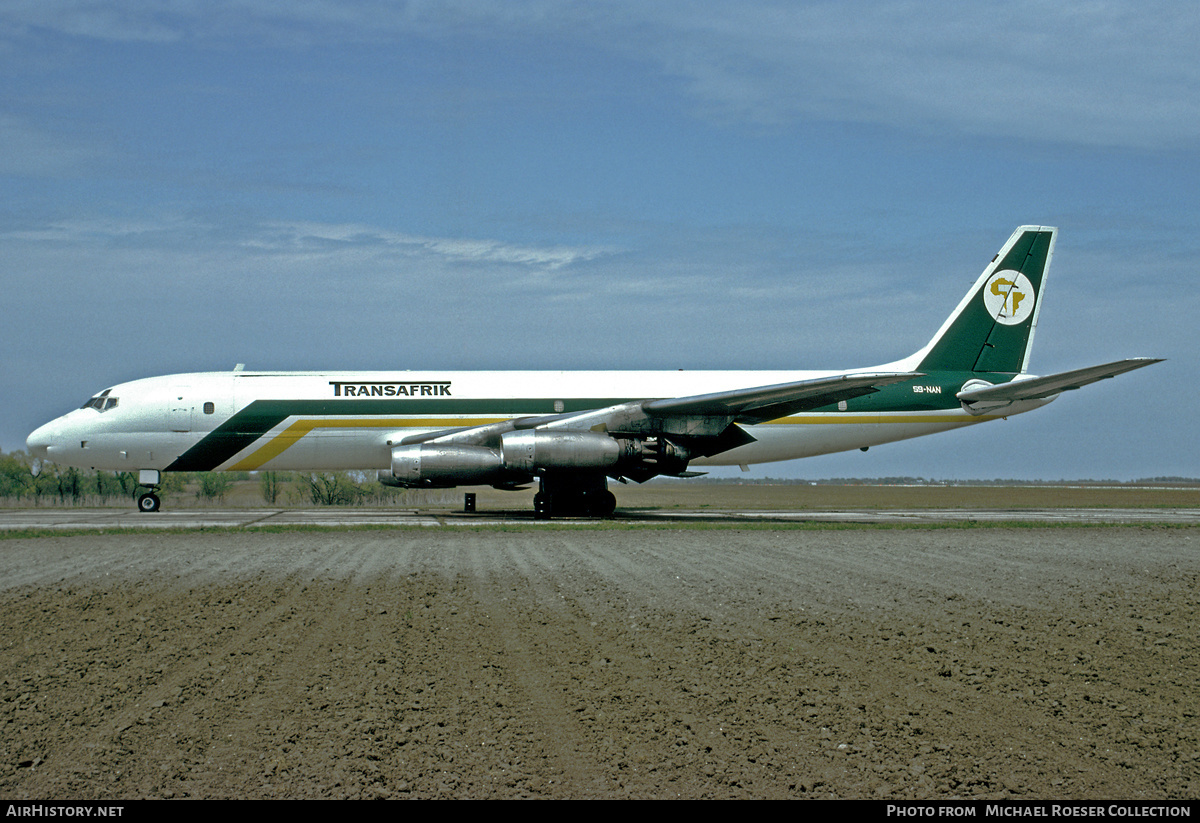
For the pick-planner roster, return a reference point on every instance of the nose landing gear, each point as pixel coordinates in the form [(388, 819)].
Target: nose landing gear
[(149, 502)]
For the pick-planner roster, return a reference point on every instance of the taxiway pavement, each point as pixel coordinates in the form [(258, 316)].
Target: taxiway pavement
[(100, 519)]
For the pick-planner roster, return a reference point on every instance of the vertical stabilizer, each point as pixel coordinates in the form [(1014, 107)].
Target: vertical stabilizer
[(992, 328)]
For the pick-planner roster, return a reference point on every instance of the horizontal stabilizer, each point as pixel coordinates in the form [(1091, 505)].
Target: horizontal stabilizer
[(1038, 388)]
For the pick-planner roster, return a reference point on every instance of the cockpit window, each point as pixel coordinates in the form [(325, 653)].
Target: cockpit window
[(101, 402)]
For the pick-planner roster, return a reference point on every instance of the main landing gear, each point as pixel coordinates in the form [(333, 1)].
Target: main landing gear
[(573, 496), (149, 502)]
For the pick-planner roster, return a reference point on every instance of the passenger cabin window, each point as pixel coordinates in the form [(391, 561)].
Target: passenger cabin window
[(209, 408), (101, 402)]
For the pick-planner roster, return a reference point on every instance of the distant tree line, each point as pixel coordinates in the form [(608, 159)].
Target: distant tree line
[(345, 488), (28, 481), (37, 482)]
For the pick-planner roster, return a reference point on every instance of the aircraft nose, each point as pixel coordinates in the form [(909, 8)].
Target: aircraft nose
[(38, 443)]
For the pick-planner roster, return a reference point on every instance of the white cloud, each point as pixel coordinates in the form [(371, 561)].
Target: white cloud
[(1096, 73), (97, 19), (179, 260), (327, 238)]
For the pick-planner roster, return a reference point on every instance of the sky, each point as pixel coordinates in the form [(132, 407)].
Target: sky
[(605, 185)]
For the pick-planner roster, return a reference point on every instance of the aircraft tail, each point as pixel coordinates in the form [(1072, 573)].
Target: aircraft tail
[(992, 328)]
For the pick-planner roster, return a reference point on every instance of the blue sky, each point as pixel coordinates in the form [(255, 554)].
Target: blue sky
[(378, 185)]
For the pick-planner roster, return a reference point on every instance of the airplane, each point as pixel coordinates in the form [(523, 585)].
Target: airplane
[(573, 431)]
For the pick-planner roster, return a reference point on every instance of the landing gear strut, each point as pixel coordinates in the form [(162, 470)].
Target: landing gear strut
[(149, 502), (573, 496)]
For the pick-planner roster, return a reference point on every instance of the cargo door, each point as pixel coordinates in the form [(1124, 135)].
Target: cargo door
[(180, 416)]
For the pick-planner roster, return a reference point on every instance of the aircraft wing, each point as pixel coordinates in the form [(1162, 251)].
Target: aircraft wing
[(758, 405), (708, 416), (1038, 388)]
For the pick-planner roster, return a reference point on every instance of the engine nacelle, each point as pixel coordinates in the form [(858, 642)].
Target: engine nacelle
[(523, 454), (534, 449), (426, 465)]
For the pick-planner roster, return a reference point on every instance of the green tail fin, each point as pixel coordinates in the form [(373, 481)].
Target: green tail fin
[(992, 328)]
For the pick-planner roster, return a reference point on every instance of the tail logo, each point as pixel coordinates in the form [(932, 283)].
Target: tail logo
[(1009, 297)]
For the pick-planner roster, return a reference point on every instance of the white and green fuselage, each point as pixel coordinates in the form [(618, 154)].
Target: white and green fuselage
[(326, 421), (571, 430)]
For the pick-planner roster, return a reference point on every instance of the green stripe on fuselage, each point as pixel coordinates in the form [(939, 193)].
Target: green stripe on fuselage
[(930, 393), (261, 416)]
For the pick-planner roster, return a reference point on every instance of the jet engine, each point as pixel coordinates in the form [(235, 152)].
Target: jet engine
[(533, 450), (524, 454), (437, 465), (539, 450)]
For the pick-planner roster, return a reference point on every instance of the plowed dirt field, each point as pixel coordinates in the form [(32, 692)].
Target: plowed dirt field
[(976, 663)]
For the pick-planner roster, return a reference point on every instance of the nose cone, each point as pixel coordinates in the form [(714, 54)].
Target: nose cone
[(38, 443)]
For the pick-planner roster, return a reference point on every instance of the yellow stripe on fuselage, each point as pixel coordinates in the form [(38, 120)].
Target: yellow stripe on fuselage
[(290, 436), (287, 438)]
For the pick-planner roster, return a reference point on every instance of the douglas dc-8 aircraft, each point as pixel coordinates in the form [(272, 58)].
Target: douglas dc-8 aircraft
[(572, 431)]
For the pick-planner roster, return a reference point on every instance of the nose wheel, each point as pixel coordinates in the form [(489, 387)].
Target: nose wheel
[(149, 479)]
